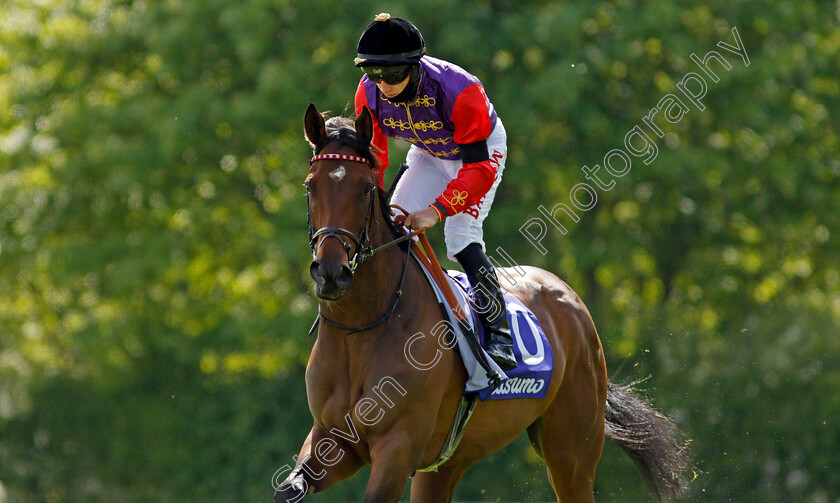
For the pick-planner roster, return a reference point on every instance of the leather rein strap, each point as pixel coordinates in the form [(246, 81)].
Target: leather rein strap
[(434, 268), (432, 264), (380, 320)]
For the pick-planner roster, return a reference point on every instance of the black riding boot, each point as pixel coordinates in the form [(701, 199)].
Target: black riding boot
[(490, 304)]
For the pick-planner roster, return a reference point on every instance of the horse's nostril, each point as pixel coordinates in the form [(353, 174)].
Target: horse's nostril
[(316, 270), (340, 276), (344, 278)]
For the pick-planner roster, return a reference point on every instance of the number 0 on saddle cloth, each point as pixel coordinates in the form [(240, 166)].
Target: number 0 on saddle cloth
[(532, 375)]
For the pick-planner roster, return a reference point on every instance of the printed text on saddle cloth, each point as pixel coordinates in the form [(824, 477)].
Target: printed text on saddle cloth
[(533, 352)]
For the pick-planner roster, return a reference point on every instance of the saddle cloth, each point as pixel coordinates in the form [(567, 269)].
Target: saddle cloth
[(535, 358)]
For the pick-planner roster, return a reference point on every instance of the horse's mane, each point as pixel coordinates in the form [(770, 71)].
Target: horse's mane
[(342, 130)]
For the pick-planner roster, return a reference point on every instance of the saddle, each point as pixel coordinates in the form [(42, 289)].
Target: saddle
[(534, 356), (429, 261)]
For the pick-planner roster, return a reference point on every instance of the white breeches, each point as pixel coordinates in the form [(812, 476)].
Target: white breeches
[(427, 178)]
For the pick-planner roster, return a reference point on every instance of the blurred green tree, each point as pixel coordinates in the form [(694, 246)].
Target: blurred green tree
[(153, 254)]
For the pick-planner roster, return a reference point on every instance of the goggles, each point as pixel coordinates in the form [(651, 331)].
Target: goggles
[(389, 74)]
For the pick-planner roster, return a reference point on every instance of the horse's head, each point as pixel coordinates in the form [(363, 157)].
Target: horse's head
[(341, 193)]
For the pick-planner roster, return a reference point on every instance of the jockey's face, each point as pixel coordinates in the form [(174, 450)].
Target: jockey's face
[(392, 90)]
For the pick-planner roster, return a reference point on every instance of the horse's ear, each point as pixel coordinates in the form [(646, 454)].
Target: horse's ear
[(364, 124), (313, 125)]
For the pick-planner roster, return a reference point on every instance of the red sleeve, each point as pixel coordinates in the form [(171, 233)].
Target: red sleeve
[(473, 181), (380, 141), (471, 117)]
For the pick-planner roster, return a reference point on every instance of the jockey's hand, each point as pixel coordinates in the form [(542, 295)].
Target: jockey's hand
[(422, 219)]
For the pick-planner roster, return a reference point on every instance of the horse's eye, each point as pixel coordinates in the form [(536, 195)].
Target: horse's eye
[(306, 186), (368, 188)]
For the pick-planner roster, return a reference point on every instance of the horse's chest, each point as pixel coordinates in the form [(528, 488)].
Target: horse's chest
[(335, 409), (352, 405), (331, 392)]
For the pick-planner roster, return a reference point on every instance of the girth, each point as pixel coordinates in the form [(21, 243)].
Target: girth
[(456, 432)]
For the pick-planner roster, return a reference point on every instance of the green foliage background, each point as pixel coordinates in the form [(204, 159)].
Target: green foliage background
[(153, 258)]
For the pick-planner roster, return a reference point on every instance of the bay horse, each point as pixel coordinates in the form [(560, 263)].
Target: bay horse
[(372, 406)]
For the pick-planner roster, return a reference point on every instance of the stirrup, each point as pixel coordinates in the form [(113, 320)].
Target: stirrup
[(494, 379), (498, 339), (499, 349)]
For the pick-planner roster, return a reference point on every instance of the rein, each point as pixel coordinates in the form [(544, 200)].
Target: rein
[(381, 319), (364, 251)]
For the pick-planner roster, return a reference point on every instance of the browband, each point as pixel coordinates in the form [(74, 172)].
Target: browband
[(339, 157)]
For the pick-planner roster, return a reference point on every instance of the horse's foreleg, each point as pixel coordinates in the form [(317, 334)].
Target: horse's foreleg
[(323, 460), (437, 487), (392, 463)]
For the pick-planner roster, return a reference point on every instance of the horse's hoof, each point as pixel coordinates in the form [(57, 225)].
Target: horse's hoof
[(290, 491)]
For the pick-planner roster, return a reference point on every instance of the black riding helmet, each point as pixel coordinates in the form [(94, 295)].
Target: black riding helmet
[(390, 41), (389, 49)]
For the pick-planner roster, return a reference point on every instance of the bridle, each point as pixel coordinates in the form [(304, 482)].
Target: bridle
[(360, 241)]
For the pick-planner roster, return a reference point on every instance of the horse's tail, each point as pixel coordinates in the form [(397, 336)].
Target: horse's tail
[(650, 439)]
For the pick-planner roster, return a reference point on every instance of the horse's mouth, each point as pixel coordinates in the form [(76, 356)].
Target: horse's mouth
[(328, 292)]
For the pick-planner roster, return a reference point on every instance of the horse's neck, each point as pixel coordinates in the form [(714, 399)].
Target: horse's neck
[(342, 367)]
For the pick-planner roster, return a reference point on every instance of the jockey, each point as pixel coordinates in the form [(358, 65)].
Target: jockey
[(457, 154)]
